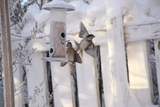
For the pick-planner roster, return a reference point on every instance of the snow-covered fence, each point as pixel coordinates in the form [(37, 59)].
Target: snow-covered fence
[(139, 59), (121, 47)]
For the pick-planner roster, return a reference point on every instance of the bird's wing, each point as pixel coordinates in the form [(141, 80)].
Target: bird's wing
[(91, 50), (78, 50), (77, 45), (77, 58), (63, 64), (83, 31)]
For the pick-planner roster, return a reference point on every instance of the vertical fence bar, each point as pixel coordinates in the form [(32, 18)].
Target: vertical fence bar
[(117, 62), (18, 75), (157, 55), (73, 90), (18, 86), (37, 81), (7, 55), (106, 75), (140, 71), (88, 91), (62, 87)]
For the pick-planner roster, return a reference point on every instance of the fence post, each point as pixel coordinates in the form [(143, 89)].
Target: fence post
[(7, 55), (88, 91), (157, 55), (118, 85), (140, 71), (37, 81), (62, 88)]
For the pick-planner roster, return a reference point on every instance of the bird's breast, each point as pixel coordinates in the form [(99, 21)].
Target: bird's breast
[(70, 53), (84, 44)]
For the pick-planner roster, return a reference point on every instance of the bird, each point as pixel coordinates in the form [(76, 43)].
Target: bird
[(71, 54), (86, 44)]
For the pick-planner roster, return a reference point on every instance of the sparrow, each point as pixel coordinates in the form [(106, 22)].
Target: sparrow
[(86, 44), (71, 54)]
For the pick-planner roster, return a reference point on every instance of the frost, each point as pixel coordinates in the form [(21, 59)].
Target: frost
[(58, 4)]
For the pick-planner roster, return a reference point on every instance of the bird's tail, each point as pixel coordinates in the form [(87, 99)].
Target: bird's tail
[(63, 64), (71, 68)]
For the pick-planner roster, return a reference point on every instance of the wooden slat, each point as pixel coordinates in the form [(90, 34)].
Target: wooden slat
[(87, 79), (157, 55), (41, 44), (106, 75), (140, 71), (131, 32), (18, 85), (62, 87), (142, 32), (117, 62), (100, 37), (37, 81), (17, 75)]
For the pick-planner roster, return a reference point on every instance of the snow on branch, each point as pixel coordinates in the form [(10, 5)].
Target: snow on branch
[(38, 28)]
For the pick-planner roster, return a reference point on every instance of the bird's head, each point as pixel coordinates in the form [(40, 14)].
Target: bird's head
[(90, 37), (69, 44)]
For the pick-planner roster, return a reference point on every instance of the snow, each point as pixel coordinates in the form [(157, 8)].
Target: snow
[(47, 29), (28, 28), (94, 17), (83, 12), (34, 11), (135, 11), (33, 15), (132, 100), (74, 18), (88, 15), (58, 4)]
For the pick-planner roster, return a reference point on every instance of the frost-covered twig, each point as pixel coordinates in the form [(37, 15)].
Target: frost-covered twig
[(18, 12), (19, 35), (40, 3), (38, 28), (26, 57)]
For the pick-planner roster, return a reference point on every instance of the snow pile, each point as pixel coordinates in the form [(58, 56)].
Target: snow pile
[(92, 15), (74, 18), (36, 16), (135, 11)]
